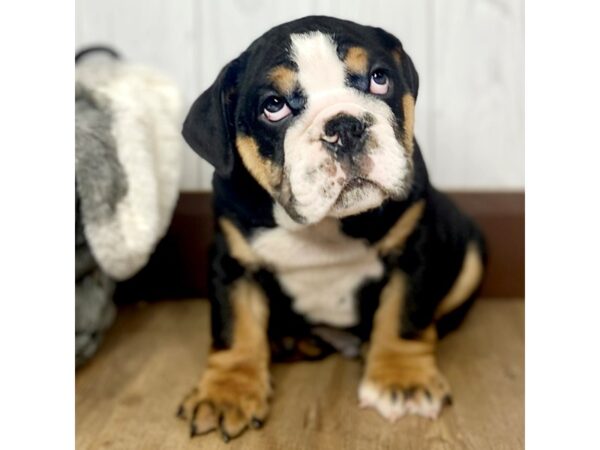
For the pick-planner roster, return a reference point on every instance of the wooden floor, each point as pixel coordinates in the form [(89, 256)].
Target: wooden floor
[(126, 398)]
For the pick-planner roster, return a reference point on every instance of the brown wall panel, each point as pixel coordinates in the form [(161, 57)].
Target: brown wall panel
[(178, 266)]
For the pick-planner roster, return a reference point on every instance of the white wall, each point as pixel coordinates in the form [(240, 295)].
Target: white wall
[(469, 55)]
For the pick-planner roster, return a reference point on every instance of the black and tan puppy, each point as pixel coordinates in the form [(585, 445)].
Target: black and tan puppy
[(328, 232)]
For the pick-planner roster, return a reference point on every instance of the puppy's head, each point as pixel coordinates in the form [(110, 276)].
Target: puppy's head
[(320, 112)]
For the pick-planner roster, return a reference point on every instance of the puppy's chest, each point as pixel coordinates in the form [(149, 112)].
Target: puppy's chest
[(320, 268)]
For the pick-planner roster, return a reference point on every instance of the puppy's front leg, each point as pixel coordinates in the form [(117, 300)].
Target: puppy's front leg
[(234, 391), (401, 375)]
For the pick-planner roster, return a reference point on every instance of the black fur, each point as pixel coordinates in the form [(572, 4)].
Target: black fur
[(209, 127)]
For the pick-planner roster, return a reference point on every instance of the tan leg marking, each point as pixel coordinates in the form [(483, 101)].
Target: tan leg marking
[(237, 244), (260, 168), (467, 281), (284, 79), (357, 60), (401, 376), (234, 391), (402, 229), (408, 106)]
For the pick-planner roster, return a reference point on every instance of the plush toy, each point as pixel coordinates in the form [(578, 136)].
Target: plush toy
[(128, 163)]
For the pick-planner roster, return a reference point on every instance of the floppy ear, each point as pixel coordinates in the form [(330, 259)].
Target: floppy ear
[(409, 73), (209, 127)]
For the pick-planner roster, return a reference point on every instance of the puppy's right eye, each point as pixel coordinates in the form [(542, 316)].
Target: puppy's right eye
[(276, 109)]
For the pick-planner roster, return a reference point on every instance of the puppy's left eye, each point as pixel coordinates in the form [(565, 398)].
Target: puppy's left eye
[(380, 83), (276, 109)]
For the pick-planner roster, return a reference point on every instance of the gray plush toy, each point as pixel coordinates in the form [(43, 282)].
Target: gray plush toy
[(127, 154)]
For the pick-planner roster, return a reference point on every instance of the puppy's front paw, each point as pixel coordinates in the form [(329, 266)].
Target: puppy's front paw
[(232, 394), (399, 385)]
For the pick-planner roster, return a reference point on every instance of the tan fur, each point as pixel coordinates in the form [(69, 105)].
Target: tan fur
[(260, 168), (402, 229), (397, 55), (357, 60), (238, 245), (236, 382), (465, 284), (408, 106), (405, 366), (284, 79), (386, 323)]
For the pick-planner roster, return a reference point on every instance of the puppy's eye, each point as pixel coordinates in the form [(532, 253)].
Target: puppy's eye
[(276, 109), (379, 83)]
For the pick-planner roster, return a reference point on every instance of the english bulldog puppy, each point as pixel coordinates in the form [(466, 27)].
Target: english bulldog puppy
[(328, 231)]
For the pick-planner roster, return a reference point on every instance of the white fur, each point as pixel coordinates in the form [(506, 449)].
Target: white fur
[(319, 267), (145, 109), (316, 179), (373, 396)]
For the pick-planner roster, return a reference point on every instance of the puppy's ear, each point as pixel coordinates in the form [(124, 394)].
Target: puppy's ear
[(407, 68), (209, 127), (409, 72)]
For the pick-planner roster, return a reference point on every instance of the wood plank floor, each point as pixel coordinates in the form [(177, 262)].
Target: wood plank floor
[(126, 398)]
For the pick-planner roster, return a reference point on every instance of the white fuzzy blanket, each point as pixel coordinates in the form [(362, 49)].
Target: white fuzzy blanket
[(128, 160)]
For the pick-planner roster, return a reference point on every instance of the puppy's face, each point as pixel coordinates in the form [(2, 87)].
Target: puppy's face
[(320, 112)]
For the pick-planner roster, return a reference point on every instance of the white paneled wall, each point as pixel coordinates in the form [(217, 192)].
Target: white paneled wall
[(469, 55)]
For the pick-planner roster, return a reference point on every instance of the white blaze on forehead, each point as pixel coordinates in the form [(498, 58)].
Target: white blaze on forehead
[(319, 67)]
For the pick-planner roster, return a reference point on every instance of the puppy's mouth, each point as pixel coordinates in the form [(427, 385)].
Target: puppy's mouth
[(358, 194), (358, 183)]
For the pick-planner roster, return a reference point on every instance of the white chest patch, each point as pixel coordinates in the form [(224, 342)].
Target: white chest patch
[(320, 268)]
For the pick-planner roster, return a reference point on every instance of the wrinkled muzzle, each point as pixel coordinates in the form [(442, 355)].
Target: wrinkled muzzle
[(343, 157)]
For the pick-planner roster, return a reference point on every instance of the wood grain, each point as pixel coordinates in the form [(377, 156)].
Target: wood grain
[(126, 398)]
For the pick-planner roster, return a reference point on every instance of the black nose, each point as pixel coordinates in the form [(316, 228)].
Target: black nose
[(348, 129)]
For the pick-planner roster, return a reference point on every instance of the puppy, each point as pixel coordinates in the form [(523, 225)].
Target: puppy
[(328, 231)]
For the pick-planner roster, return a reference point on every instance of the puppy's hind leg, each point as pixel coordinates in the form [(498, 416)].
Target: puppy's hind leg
[(455, 305)]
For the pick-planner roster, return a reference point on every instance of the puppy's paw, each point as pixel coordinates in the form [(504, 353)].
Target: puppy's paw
[(232, 395), (398, 387)]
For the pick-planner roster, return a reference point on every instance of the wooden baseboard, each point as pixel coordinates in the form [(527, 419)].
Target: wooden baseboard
[(178, 267)]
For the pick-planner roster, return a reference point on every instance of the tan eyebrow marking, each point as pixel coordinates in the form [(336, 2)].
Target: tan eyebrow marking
[(357, 60), (283, 78)]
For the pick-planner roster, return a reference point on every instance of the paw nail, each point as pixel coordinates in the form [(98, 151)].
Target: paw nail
[(181, 412), (447, 400), (225, 436), (193, 430), (256, 423)]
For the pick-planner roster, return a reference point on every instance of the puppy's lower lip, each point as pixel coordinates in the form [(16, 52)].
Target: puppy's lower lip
[(359, 182), (355, 183)]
